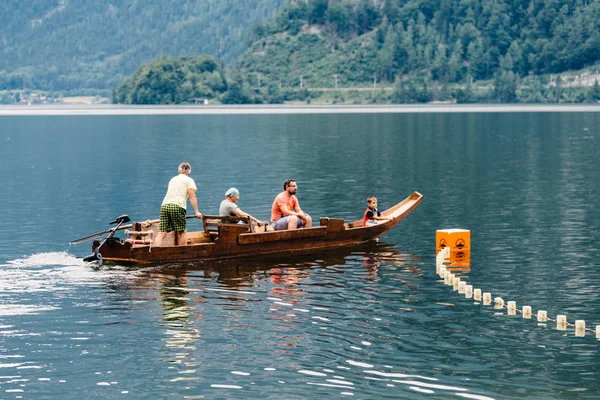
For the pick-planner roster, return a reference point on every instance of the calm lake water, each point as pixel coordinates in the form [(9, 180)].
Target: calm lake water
[(372, 321)]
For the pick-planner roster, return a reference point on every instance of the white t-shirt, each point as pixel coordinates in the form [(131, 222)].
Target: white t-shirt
[(177, 193)]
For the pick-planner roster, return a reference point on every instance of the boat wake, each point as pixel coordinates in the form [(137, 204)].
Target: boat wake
[(46, 259), (28, 278)]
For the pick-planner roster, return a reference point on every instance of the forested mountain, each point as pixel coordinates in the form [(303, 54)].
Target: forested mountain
[(319, 43), (174, 80), (425, 49), (60, 45)]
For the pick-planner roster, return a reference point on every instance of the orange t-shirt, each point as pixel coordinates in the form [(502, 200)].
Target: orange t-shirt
[(281, 199)]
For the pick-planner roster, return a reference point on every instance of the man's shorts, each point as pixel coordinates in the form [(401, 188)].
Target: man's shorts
[(282, 223), (172, 218)]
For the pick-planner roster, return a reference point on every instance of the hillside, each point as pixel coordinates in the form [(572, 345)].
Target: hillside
[(82, 46), (419, 44)]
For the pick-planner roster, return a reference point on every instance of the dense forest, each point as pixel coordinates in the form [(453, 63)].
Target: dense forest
[(81, 47), (425, 47), (173, 80), (271, 51)]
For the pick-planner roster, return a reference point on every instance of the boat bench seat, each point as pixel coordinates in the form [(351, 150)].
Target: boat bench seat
[(333, 224), (211, 223)]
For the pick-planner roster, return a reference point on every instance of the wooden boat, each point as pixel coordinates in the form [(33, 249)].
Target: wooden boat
[(223, 238)]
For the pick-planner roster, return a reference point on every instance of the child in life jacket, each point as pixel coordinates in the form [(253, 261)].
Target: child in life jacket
[(372, 214)]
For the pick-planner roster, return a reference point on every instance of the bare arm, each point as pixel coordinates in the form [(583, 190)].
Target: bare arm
[(240, 213), (194, 202), (285, 211), (301, 214), (381, 218)]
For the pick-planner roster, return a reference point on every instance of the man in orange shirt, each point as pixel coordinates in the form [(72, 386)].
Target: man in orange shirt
[(286, 212)]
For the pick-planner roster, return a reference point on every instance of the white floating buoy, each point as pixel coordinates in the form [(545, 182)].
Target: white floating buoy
[(561, 322), (468, 291), (487, 299), (455, 283), (512, 308), (448, 278), (542, 316), (443, 261), (499, 302), (579, 327)]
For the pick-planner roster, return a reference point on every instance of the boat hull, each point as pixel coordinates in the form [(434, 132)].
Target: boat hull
[(236, 241)]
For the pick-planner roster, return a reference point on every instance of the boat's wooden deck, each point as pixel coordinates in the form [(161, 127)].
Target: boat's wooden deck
[(244, 235)]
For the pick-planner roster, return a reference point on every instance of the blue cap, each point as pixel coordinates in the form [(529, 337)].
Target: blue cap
[(232, 192)]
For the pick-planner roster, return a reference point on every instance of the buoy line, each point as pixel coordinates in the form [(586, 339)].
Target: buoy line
[(462, 287)]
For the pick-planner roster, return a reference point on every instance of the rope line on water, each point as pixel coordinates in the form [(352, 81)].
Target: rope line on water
[(486, 298)]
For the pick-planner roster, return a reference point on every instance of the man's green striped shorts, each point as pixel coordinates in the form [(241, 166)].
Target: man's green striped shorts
[(172, 218)]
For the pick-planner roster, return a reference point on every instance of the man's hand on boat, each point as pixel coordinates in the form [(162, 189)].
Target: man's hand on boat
[(304, 217)]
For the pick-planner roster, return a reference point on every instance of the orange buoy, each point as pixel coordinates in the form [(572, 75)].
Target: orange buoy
[(459, 242)]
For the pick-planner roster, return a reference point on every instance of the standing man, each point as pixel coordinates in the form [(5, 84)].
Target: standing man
[(286, 212), (173, 208)]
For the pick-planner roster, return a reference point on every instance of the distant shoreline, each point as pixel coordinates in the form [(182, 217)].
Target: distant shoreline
[(99, 109)]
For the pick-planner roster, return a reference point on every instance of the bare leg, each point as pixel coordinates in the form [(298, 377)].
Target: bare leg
[(307, 221), (292, 222), (159, 239), (181, 238)]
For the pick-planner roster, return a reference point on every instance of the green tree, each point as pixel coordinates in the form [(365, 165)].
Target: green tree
[(593, 92), (386, 57), (558, 89), (467, 94), (173, 80), (316, 11), (113, 97), (505, 86), (367, 16), (338, 15)]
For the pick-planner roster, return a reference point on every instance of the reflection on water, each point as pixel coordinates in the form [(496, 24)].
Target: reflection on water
[(370, 321), (298, 317), (339, 323)]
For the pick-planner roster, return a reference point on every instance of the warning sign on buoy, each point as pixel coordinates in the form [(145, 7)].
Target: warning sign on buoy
[(459, 241)]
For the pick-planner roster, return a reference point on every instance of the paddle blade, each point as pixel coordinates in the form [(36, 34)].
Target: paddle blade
[(121, 219), (95, 256), (91, 257)]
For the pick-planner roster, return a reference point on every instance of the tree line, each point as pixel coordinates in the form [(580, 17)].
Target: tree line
[(426, 50), (432, 45), (81, 47)]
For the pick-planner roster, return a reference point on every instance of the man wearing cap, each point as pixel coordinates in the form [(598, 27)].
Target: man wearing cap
[(173, 208), (228, 208), (286, 212)]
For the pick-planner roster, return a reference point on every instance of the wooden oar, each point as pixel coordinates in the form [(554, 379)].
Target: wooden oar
[(86, 238), (95, 235)]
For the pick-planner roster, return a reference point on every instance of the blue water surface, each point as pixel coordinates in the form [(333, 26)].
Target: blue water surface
[(371, 321)]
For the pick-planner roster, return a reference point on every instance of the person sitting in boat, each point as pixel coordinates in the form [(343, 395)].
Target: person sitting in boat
[(372, 214), (286, 212), (173, 208), (229, 208)]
